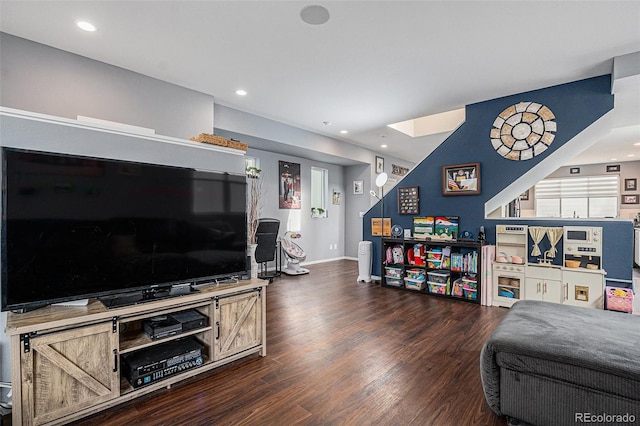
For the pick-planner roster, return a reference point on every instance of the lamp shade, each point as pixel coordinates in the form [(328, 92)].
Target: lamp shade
[(381, 179)]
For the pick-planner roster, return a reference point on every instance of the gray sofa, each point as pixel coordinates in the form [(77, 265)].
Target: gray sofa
[(554, 364)]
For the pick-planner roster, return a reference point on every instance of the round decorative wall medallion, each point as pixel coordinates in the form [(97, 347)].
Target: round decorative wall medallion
[(523, 131)]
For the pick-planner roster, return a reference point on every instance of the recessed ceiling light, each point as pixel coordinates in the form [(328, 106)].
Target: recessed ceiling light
[(314, 15), (631, 155), (86, 26), (241, 92), (637, 143), (344, 132), (614, 159), (383, 146)]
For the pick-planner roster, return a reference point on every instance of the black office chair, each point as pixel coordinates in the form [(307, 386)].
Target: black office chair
[(266, 249)]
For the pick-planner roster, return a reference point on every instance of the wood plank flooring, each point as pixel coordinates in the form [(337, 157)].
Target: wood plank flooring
[(339, 352)]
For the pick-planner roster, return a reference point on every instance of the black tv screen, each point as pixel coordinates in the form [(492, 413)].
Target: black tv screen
[(77, 227)]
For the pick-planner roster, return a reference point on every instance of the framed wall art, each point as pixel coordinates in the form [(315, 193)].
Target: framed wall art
[(290, 192), (461, 179), (336, 197), (613, 168), (408, 200), (630, 199), (379, 164), (630, 184), (524, 196), (358, 187), (574, 170)]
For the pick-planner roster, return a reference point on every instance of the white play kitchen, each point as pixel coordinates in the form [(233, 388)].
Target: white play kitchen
[(528, 265)]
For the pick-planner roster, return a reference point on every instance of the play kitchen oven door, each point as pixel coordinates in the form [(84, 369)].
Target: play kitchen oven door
[(583, 247), (508, 284)]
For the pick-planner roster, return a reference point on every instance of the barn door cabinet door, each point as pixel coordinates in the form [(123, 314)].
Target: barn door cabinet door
[(67, 371), (238, 323)]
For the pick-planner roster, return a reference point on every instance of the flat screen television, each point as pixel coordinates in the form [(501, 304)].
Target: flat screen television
[(76, 227)]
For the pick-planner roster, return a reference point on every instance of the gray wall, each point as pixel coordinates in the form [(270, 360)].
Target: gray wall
[(38, 78)]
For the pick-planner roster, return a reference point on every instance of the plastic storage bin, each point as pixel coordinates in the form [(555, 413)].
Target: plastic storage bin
[(393, 272), (438, 288), (414, 283), (434, 255), (470, 282), (470, 293), (439, 277), (619, 299), (396, 282)]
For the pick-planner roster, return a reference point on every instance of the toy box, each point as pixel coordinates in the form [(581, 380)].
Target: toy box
[(619, 299)]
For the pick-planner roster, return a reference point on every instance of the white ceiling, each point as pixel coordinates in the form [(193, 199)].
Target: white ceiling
[(373, 63)]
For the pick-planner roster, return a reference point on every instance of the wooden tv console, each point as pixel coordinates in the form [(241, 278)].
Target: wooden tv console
[(66, 361)]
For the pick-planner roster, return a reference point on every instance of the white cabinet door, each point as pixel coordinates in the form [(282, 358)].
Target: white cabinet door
[(533, 289), (552, 291), (583, 289)]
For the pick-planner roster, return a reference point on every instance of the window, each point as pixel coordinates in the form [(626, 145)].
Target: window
[(319, 191), (584, 197), (251, 162)]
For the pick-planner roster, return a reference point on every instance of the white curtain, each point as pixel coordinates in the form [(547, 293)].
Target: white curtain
[(554, 235), (537, 234)]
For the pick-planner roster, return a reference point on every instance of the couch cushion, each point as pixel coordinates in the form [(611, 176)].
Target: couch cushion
[(603, 343)]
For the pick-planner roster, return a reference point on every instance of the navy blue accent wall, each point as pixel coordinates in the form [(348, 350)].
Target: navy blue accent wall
[(576, 105)]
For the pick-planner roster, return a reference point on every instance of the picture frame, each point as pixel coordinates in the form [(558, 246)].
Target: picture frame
[(631, 184), (630, 199), (379, 164), (574, 170), (358, 187), (461, 179), (289, 186), (613, 168), (524, 196), (409, 200), (336, 197)]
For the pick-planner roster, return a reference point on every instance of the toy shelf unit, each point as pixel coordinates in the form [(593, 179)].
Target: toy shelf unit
[(449, 269)]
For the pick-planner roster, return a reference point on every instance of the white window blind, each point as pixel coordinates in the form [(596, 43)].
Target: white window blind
[(585, 197)]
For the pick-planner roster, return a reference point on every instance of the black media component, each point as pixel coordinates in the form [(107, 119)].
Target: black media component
[(77, 227), (189, 320), (158, 362), (160, 327)]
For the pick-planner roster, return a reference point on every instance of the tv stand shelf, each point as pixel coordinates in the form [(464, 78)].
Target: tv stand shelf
[(67, 361)]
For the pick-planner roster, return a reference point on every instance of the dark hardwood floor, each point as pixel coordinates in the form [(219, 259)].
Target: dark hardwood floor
[(339, 352)]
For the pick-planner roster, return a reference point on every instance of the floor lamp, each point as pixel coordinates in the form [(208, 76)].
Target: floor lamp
[(381, 180)]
